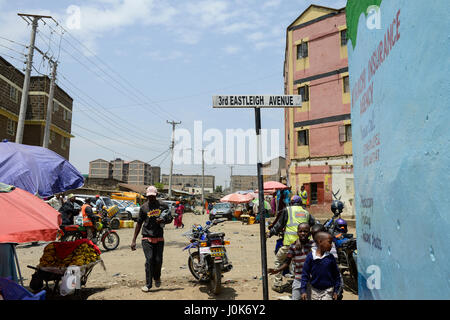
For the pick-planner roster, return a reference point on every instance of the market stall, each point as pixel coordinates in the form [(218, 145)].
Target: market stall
[(67, 262)]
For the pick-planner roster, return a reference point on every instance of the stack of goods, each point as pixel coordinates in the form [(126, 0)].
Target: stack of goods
[(78, 255)]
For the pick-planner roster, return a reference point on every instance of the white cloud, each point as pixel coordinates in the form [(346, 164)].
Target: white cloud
[(271, 4), (165, 56), (232, 49)]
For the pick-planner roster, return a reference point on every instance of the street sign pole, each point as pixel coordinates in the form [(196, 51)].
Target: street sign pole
[(262, 218), (257, 102)]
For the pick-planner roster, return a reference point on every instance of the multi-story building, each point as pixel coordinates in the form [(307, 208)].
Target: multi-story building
[(100, 169), (274, 170), (243, 183), (131, 172), (318, 135), (190, 181), (142, 173), (11, 83)]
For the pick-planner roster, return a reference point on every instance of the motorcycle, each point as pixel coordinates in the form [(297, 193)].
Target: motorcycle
[(208, 258), (102, 233), (345, 242)]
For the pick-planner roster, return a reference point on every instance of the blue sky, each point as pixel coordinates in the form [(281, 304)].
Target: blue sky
[(130, 65)]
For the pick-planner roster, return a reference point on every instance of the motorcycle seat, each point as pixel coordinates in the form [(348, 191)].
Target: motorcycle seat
[(72, 227), (216, 235)]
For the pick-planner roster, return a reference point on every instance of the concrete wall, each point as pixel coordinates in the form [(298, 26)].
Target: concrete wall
[(401, 148)]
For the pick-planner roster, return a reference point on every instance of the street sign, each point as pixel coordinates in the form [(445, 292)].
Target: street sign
[(257, 101)]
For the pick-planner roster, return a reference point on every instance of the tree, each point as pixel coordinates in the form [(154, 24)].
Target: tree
[(218, 189), (159, 186)]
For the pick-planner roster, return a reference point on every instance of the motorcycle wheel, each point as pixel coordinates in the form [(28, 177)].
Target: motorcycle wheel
[(216, 278), (111, 241), (353, 269), (115, 224), (194, 260)]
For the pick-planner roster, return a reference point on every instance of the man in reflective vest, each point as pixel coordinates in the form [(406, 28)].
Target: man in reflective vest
[(88, 218), (290, 218), (304, 196)]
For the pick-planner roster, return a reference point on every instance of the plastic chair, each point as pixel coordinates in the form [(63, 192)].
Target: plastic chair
[(10, 290)]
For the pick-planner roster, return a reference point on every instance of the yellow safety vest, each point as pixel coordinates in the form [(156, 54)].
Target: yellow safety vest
[(304, 196), (296, 215)]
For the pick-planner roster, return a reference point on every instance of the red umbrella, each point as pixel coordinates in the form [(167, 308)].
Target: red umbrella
[(26, 218), (237, 198), (274, 185)]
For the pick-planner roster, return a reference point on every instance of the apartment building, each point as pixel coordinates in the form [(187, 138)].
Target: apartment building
[(243, 183), (11, 83), (190, 181), (319, 135), (131, 172)]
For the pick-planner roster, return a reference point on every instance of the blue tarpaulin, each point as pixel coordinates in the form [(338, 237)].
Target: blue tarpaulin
[(37, 170)]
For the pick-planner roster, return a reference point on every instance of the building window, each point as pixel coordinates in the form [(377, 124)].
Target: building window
[(344, 37), (303, 138), (52, 136), (345, 133), (304, 92), (67, 115), (55, 106), (302, 50), (64, 143), (13, 94), (11, 127), (346, 84)]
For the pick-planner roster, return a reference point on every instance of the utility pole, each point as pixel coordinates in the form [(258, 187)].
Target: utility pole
[(203, 181), (173, 123), (231, 179), (48, 122), (26, 83)]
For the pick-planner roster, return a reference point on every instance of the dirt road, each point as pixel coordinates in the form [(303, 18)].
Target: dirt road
[(125, 272)]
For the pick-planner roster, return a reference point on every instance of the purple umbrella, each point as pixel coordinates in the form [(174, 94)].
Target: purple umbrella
[(37, 170)]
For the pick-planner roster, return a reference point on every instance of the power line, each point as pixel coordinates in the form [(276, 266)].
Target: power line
[(116, 123), (114, 139), (102, 70)]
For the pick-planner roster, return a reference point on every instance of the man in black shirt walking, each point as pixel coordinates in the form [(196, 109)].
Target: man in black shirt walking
[(151, 221)]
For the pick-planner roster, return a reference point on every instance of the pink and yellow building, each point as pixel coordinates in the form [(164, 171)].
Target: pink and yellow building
[(318, 135)]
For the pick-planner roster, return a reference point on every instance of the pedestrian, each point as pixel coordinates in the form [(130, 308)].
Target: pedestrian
[(179, 210), (151, 221), (304, 196), (289, 220), (68, 210), (297, 254), (321, 270), (98, 204), (56, 201), (315, 229)]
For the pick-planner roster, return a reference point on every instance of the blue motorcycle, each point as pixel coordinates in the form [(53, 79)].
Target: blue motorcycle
[(207, 255)]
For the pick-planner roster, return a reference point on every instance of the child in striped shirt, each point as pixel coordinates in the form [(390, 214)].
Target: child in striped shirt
[(297, 254)]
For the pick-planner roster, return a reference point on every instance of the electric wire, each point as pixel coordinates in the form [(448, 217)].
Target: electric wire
[(128, 93), (115, 72), (117, 123), (99, 76)]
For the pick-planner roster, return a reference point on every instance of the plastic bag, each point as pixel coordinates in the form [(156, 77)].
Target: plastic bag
[(70, 281)]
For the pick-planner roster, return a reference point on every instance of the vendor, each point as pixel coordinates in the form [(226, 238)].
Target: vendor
[(68, 210)]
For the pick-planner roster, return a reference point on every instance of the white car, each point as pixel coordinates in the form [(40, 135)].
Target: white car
[(131, 209)]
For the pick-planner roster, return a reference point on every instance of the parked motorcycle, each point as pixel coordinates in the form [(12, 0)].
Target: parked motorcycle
[(103, 233), (208, 258), (345, 242)]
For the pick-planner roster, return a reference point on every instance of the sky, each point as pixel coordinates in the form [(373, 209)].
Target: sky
[(133, 65)]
